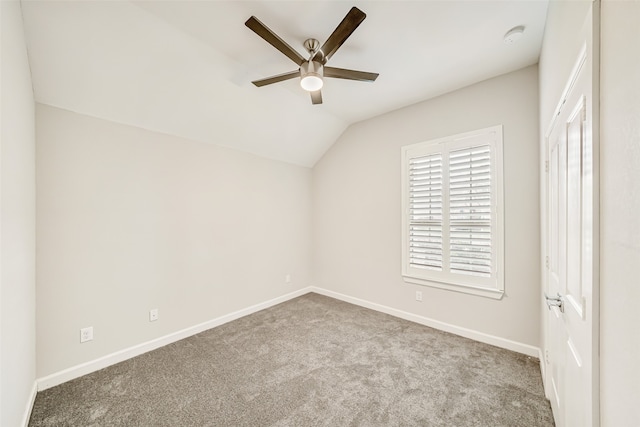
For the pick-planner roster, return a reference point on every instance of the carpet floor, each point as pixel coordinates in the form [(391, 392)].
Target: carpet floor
[(311, 361)]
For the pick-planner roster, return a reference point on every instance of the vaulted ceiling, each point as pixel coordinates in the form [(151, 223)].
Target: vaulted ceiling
[(185, 67)]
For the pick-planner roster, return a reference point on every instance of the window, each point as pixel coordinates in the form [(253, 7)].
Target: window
[(453, 222)]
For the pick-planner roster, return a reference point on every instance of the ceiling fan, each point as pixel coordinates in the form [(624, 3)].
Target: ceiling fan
[(313, 70)]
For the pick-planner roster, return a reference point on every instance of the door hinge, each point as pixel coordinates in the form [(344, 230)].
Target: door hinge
[(546, 261), (546, 165)]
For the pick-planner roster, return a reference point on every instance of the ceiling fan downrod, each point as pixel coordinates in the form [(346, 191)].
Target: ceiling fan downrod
[(313, 47)]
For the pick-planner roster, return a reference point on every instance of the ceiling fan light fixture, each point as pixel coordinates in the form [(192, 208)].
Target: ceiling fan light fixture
[(311, 83), (311, 74)]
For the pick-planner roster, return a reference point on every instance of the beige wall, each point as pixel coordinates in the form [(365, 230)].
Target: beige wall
[(356, 205), (619, 210), (130, 220), (17, 222)]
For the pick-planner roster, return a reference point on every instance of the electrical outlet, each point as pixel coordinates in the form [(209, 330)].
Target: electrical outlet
[(153, 315), (287, 278), (86, 334), (418, 295)]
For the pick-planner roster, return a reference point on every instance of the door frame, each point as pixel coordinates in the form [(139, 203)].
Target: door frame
[(591, 46)]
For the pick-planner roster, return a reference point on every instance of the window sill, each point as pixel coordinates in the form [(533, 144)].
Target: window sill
[(466, 289)]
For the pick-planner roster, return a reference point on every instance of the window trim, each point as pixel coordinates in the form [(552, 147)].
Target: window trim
[(492, 287)]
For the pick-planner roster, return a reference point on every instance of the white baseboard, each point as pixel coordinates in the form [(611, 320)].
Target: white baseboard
[(527, 349), (122, 355), (30, 402)]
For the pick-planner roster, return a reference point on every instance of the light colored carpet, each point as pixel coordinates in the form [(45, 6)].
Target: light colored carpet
[(311, 361)]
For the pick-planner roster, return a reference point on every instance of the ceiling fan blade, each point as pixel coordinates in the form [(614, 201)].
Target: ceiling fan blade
[(276, 79), (272, 38), (341, 73), (341, 33), (316, 97)]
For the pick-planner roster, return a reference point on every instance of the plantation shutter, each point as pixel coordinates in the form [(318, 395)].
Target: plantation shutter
[(453, 222), (470, 243), (425, 212)]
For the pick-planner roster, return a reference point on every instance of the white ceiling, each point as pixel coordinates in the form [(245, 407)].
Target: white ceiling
[(185, 67)]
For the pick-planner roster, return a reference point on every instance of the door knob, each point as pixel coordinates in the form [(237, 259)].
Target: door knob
[(556, 301)]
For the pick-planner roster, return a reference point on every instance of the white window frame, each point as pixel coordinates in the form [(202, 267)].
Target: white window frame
[(493, 285)]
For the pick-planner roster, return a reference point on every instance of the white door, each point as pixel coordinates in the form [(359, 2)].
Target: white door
[(571, 335)]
